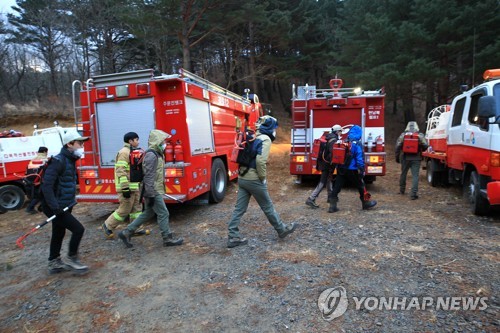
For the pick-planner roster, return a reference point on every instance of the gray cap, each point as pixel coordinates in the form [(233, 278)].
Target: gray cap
[(73, 135)]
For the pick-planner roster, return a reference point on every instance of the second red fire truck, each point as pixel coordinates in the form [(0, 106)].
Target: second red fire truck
[(202, 118), (315, 111)]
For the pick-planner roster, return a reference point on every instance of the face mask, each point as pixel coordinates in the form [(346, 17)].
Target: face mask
[(163, 146), (79, 152), (274, 133)]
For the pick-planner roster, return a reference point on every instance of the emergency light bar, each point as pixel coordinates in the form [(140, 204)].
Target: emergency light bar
[(142, 89), (491, 74)]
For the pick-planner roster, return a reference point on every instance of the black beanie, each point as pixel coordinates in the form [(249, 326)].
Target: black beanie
[(130, 136)]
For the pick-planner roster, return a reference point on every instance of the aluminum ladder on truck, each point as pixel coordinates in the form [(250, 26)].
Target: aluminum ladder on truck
[(300, 122), (78, 109)]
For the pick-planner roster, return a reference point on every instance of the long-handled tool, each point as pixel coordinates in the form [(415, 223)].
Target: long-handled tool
[(19, 241)]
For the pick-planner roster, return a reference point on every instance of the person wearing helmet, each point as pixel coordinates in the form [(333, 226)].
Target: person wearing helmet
[(254, 183), (352, 170), (59, 192), (324, 164), (126, 188), (410, 160)]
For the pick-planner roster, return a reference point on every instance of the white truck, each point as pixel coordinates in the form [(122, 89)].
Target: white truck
[(464, 144), (15, 154)]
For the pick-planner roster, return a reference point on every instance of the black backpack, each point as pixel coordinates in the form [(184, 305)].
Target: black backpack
[(246, 154), (34, 178)]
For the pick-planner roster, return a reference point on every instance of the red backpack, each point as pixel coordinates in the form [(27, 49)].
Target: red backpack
[(410, 143)]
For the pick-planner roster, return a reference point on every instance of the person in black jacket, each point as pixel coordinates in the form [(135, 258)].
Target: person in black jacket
[(59, 190), (324, 165)]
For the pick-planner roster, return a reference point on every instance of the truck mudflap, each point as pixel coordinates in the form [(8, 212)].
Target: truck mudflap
[(493, 192)]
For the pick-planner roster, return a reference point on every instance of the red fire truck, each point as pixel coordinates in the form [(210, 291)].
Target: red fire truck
[(464, 144), (15, 153), (315, 111), (202, 118)]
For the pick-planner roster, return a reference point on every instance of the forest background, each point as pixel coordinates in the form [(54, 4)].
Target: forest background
[(419, 51)]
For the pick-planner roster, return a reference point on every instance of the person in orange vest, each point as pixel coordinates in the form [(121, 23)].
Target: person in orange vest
[(411, 160), (128, 191), (34, 184)]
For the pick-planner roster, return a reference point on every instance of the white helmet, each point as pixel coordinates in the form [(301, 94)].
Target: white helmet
[(336, 128)]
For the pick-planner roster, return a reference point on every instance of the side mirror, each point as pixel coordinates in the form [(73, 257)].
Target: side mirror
[(487, 108)]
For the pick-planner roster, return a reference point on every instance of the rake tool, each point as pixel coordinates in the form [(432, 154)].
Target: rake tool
[(19, 241)]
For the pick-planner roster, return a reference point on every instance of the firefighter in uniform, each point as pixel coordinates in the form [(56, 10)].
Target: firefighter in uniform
[(410, 161), (128, 192)]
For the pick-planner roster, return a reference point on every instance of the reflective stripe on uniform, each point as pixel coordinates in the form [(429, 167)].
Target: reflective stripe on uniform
[(118, 217), (133, 216)]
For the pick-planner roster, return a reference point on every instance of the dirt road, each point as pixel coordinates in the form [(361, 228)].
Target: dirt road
[(429, 248)]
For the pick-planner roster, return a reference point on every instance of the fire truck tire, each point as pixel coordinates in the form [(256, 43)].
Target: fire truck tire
[(11, 197), (218, 181), (433, 176), (472, 192)]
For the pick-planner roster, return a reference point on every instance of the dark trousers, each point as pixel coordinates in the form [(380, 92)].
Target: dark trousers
[(59, 225), (344, 175)]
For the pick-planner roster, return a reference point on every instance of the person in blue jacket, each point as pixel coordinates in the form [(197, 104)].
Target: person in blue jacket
[(353, 170)]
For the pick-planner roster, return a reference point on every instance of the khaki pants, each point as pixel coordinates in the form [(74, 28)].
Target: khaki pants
[(129, 207)]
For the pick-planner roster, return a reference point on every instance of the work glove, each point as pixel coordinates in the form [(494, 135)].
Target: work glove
[(126, 193), (150, 202), (397, 159)]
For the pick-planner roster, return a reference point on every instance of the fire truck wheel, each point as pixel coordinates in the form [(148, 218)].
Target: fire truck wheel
[(11, 197), (218, 181), (472, 192), (433, 177)]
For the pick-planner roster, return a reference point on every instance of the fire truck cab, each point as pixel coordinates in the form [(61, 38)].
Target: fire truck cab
[(464, 144), (202, 118), (315, 111)]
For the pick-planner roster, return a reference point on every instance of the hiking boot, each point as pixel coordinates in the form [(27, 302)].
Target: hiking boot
[(414, 197), (31, 211), (311, 203), (236, 241), (402, 192), (57, 266), (75, 265), (288, 230), (107, 232), (369, 204), (171, 241), (333, 206), (125, 235)]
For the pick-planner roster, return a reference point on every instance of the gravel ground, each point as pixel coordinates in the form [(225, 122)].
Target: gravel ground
[(431, 247)]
